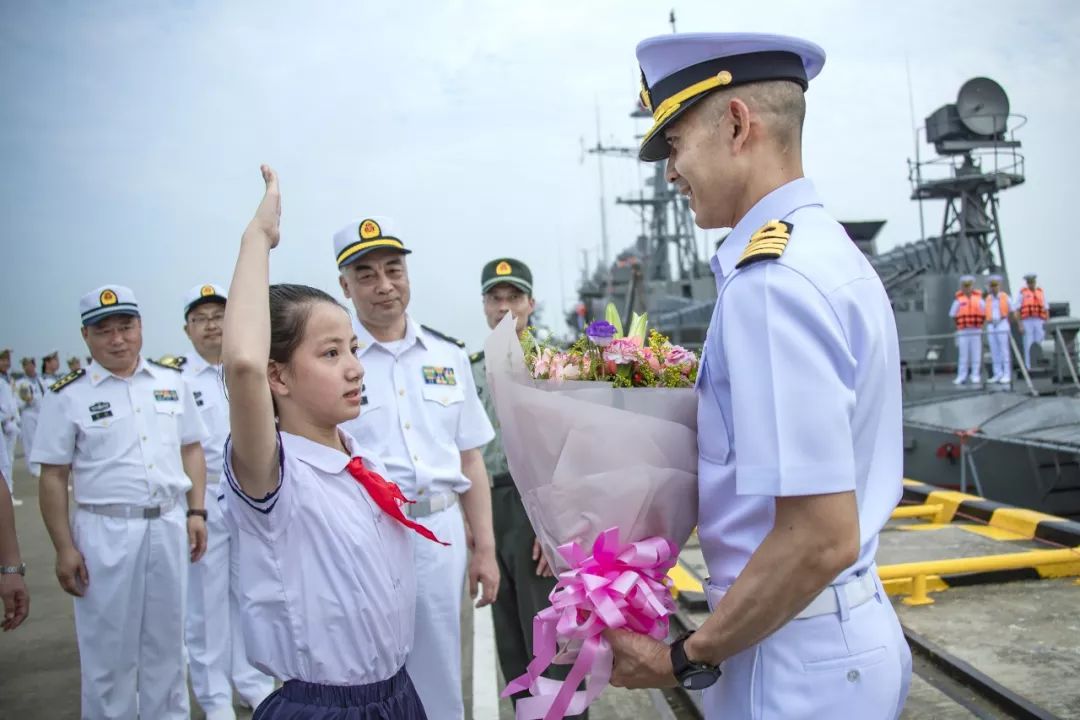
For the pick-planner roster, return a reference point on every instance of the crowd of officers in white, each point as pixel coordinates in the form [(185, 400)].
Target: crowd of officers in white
[(140, 444)]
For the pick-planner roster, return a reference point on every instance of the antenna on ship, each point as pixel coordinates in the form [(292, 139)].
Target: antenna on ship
[(671, 19)]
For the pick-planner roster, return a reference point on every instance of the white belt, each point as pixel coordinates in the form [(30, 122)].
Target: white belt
[(855, 591), (118, 510), (431, 504)]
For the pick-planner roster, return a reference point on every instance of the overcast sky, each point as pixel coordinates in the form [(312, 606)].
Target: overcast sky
[(131, 135)]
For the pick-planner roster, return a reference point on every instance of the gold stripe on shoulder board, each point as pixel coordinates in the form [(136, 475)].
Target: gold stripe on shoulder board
[(768, 243), (67, 380)]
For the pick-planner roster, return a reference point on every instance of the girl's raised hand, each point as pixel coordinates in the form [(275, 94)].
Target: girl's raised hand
[(267, 218)]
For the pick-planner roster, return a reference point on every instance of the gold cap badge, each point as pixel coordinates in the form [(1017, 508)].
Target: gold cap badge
[(502, 268), (369, 229), (107, 297), (206, 291)]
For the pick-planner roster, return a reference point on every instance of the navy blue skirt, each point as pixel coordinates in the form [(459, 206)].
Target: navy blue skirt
[(393, 699)]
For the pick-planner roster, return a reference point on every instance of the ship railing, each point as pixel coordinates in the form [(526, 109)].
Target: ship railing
[(933, 357)]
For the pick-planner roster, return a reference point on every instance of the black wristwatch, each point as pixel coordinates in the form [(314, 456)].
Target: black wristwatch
[(201, 513), (691, 675)]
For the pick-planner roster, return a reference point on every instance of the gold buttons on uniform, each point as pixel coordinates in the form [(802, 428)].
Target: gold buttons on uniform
[(408, 425), (401, 392)]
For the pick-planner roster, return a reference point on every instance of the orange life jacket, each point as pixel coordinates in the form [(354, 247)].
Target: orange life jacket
[(1033, 303), (1003, 306), (969, 314)]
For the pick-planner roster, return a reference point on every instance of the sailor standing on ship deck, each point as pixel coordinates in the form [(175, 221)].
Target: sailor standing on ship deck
[(969, 312), (799, 410), (998, 330), (1030, 304)]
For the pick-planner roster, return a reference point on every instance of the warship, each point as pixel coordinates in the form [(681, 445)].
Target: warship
[(1016, 443)]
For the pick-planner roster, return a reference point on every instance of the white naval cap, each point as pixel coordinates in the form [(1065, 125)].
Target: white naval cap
[(202, 294), (107, 300), (967, 279), (995, 278), (360, 237), (1030, 276), (679, 69)]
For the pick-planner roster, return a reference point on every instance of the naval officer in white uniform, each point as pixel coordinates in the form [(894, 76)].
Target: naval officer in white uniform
[(129, 433), (216, 654), (799, 415), (421, 413)]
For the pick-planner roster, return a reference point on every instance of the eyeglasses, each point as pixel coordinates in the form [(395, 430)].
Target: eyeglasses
[(217, 319)]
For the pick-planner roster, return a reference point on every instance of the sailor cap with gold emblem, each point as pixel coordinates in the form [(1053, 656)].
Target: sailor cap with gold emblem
[(506, 270), (360, 237), (107, 300), (201, 294), (678, 70)]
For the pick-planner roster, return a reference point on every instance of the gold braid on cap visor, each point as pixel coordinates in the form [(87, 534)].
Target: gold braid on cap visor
[(670, 105)]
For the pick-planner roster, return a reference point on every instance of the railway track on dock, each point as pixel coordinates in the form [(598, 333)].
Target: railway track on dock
[(973, 693)]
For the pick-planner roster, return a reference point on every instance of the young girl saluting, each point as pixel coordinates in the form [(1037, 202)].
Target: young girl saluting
[(325, 554)]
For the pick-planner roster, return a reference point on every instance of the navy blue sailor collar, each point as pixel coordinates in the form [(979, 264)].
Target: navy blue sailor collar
[(777, 205)]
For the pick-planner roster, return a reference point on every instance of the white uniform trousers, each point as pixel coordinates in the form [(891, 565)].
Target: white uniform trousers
[(854, 663), (29, 420), (1034, 332), (435, 661), (969, 364), (9, 438), (215, 642), (997, 334), (130, 622)]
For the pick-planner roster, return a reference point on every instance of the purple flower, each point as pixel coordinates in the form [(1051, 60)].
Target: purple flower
[(600, 332)]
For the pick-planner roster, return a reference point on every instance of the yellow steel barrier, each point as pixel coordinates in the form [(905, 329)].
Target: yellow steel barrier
[(917, 511), (918, 571)]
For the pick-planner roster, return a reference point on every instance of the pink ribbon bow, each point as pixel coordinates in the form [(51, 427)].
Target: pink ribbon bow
[(618, 586)]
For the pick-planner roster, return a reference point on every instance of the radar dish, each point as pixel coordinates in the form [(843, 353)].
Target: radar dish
[(983, 106)]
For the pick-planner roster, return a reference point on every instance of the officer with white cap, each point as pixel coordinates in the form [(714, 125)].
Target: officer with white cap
[(998, 329), (1029, 304), (799, 405), (969, 313), (31, 391), (9, 421), (215, 643), (421, 413), (128, 431), (50, 368)]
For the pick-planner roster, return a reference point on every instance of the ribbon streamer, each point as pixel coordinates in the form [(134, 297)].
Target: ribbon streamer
[(618, 586)]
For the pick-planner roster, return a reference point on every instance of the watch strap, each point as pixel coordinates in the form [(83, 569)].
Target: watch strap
[(200, 513), (19, 569)]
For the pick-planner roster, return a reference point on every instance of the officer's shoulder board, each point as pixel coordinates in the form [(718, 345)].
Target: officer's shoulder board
[(173, 362), (67, 380), (768, 243), (476, 357), (441, 336)]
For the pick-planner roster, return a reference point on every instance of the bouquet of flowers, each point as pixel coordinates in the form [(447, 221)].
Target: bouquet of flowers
[(605, 354), (601, 441)]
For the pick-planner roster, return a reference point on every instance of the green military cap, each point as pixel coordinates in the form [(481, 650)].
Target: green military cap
[(506, 270)]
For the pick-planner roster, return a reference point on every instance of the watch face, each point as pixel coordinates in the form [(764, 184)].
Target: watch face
[(699, 679)]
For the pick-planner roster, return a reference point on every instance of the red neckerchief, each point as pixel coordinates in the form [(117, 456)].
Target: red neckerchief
[(387, 496)]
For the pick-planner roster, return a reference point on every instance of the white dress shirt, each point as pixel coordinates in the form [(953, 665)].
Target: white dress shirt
[(799, 386), (327, 587), (208, 389), (121, 436), (419, 409)]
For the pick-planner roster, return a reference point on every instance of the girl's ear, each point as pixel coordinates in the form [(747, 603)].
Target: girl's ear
[(277, 375)]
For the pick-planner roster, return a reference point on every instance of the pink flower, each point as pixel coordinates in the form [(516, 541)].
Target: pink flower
[(543, 363), (558, 366), (679, 356), (651, 359), (623, 351)]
